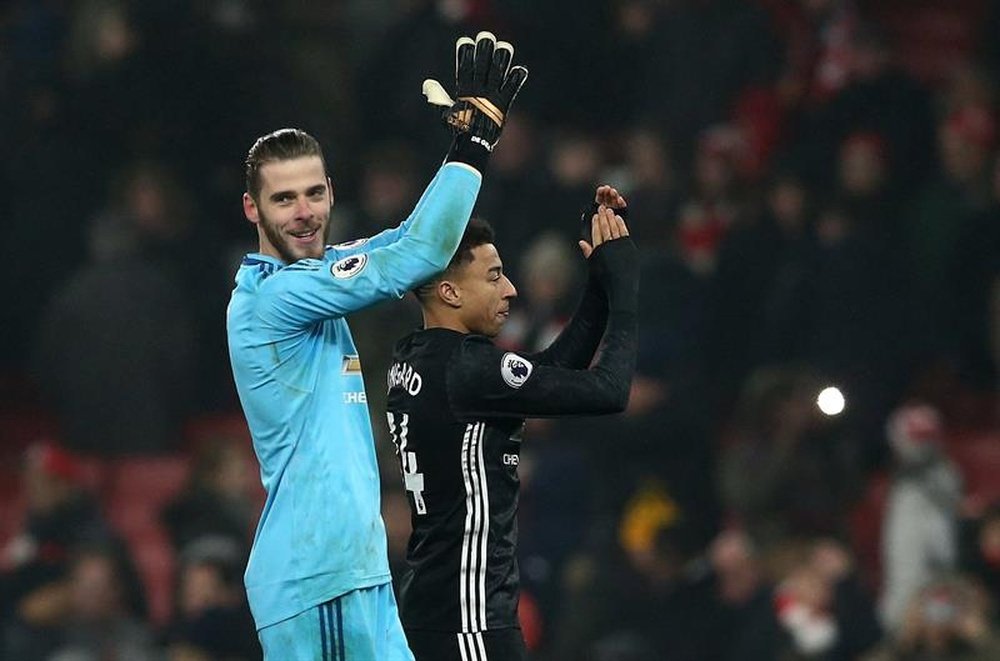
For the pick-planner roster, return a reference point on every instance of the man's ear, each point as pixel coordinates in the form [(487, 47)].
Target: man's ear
[(250, 209), (449, 293)]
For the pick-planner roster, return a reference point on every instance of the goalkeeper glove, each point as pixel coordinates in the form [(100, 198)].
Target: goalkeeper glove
[(485, 87)]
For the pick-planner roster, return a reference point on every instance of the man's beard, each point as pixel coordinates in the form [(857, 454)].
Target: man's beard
[(280, 241)]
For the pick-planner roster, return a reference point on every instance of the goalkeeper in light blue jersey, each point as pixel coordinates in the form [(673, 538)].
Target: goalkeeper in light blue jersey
[(318, 578)]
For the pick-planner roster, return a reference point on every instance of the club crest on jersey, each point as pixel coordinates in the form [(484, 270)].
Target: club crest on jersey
[(350, 244), (514, 369), (352, 365), (349, 267)]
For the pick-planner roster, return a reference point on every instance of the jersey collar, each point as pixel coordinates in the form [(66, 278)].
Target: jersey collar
[(257, 258)]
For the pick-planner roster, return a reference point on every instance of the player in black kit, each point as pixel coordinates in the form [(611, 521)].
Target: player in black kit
[(456, 408)]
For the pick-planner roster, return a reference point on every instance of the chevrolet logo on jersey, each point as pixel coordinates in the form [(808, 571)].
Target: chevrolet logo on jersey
[(351, 365)]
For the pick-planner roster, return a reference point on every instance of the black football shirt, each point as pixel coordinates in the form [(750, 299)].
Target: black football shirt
[(456, 408)]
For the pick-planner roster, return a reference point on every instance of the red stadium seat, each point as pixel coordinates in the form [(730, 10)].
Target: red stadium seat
[(21, 427), (12, 514), (932, 36), (146, 482), (155, 561), (866, 530), (137, 490), (210, 427), (978, 458), (13, 504), (231, 426)]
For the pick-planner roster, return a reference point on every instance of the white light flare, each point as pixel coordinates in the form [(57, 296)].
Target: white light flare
[(831, 401)]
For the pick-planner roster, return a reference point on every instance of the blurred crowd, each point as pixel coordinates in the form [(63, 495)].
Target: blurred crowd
[(814, 186)]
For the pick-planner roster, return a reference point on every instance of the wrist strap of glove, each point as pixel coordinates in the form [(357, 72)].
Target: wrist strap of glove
[(471, 150), (486, 107)]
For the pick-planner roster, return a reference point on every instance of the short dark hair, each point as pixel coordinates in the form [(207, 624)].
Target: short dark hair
[(280, 145), (478, 232)]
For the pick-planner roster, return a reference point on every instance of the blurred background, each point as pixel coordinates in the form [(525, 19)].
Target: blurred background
[(809, 467)]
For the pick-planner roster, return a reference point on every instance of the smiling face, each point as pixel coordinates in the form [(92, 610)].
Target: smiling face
[(292, 209), (483, 292)]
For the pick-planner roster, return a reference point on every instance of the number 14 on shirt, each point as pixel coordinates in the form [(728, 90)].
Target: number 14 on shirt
[(412, 480)]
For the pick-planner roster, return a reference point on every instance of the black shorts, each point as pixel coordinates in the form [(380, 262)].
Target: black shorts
[(498, 645)]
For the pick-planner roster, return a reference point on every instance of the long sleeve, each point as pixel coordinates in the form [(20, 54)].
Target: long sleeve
[(311, 290), (484, 380), (577, 343), (391, 235)]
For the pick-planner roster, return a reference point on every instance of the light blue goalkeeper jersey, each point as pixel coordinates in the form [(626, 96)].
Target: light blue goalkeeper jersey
[(299, 380)]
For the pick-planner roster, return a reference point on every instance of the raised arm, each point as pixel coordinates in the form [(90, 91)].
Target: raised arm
[(485, 86), (576, 344), (484, 381), (396, 261)]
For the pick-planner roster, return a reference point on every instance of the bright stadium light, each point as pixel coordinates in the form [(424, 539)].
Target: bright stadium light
[(830, 400)]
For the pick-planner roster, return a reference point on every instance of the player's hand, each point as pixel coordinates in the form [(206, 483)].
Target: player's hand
[(609, 197), (605, 225), (485, 87)]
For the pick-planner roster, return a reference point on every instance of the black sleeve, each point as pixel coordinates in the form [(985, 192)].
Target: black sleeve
[(577, 343), (486, 381)]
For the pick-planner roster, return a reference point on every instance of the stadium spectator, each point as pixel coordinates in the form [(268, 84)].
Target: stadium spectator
[(43, 142), (416, 46), (545, 302), (948, 620), (123, 392), (718, 201), (817, 62), (690, 81), (574, 160), (942, 212), (980, 554), (805, 471), (61, 514), (212, 620), (517, 172), (216, 500), (816, 609), (881, 98), (969, 85), (652, 187), (738, 578), (62, 517), (989, 50), (841, 305), (973, 282), (103, 619), (389, 188), (750, 262), (625, 45), (920, 528), (863, 180), (649, 595)]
